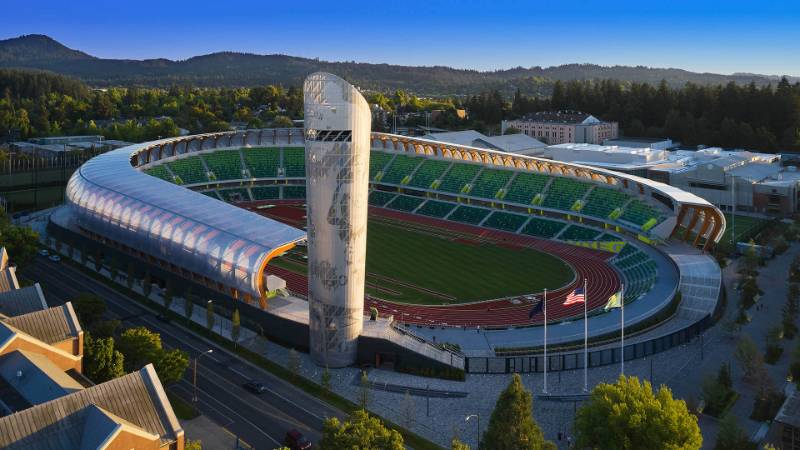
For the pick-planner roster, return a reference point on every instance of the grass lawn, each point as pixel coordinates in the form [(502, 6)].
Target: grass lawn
[(746, 227), (415, 267)]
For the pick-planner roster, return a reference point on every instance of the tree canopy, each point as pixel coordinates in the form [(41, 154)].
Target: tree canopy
[(101, 361), (629, 415), (360, 431), (511, 426), (142, 346)]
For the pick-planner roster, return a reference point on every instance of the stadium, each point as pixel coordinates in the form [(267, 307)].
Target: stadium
[(459, 240)]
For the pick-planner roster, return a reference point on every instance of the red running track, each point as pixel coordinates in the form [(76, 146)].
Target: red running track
[(589, 264)]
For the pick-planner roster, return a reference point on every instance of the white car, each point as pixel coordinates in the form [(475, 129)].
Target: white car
[(44, 252), (54, 258)]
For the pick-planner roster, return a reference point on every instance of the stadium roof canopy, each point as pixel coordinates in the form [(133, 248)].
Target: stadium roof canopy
[(210, 238)]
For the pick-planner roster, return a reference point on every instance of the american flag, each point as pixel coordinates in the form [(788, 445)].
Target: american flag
[(576, 296)]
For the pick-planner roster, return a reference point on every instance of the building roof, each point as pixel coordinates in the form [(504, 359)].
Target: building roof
[(790, 410), (35, 378), (640, 140), (8, 276), (566, 117), (81, 419), (512, 143), (22, 301), (51, 325), (466, 137)]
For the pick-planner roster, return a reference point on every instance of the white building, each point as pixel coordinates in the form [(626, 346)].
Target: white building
[(518, 143)]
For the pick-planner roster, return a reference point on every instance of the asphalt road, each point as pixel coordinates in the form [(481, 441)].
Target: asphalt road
[(259, 420)]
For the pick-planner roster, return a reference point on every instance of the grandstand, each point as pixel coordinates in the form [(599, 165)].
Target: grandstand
[(400, 169), (405, 203), (380, 198), (189, 170), (160, 172), (564, 192), (294, 192), (433, 208), (638, 270), (429, 171), (543, 228), (294, 162), (266, 192), (468, 214), (525, 187), (504, 221), (263, 162), (224, 164), (601, 202), (377, 162), (458, 176), (489, 183), (579, 233), (639, 213)]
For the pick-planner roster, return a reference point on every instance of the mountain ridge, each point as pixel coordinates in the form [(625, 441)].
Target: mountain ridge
[(233, 69)]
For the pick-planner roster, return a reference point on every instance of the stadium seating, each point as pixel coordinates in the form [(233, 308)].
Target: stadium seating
[(377, 161), (602, 201), (294, 192), (225, 164), (638, 269), (234, 195), (505, 221), (543, 228), (639, 213), (489, 182), (265, 192), (468, 214), (401, 167), (190, 170), (262, 162), (525, 187), (380, 198), (433, 208), (563, 193), (405, 203), (578, 233), (428, 172), (294, 162), (160, 172), (458, 176)]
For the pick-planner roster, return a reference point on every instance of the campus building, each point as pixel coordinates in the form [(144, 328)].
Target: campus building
[(558, 127), (47, 402), (517, 143)]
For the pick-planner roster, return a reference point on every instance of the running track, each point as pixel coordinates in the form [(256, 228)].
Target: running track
[(590, 264)]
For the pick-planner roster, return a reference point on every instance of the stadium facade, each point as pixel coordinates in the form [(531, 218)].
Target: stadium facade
[(337, 127)]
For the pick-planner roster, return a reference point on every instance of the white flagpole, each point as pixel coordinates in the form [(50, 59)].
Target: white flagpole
[(622, 330), (585, 337), (545, 341)]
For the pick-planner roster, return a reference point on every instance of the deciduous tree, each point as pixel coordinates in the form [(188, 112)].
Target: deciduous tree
[(101, 361), (360, 431)]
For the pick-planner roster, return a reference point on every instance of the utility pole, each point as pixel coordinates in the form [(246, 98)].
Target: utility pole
[(194, 377)]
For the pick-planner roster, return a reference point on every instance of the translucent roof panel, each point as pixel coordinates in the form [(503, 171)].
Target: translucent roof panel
[(209, 237)]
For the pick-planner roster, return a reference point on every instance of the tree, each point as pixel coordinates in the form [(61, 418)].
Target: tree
[(748, 356), (20, 242), (236, 326), (730, 436), (363, 394), (101, 361), (456, 444), (360, 431), (140, 347), (325, 379), (511, 425), (105, 328), (147, 284), (89, 308), (210, 316), (628, 415), (193, 445), (171, 365)]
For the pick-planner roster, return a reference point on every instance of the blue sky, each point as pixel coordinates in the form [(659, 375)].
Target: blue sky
[(712, 36)]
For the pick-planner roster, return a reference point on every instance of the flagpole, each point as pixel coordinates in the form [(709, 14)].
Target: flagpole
[(622, 330), (545, 341), (585, 337)]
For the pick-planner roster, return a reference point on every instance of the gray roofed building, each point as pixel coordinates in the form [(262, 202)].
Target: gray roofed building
[(22, 301), (8, 275), (135, 404), (518, 143), (52, 325), (34, 378), (466, 137)]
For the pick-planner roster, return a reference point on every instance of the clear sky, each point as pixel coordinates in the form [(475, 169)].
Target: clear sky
[(714, 36)]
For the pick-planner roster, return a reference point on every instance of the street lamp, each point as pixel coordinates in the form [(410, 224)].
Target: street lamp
[(194, 378), (478, 420)]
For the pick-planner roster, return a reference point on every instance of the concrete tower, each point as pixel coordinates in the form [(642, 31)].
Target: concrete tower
[(337, 128)]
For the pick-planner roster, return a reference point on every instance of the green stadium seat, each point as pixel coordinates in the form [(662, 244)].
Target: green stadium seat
[(505, 221), (525, 187), (294, 192), (262, 162), (405, 203), (468, 214), (377, 162), (159, 172), (603, 201), (458, 176), (638, 212), (225, 164), (578, 233), (401, 167), (234, 195), (266, 192), (190, 170), (380, 198), (564, 192), (489, 182), (433, 208), (294, 162), (543, 228), (430, 171)]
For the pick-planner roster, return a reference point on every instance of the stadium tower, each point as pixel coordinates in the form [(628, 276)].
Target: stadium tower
[(337, 137)]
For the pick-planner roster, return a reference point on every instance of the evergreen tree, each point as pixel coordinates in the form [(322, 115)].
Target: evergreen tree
[(511, 426)]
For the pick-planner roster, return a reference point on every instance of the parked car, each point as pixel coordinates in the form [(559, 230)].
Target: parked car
[(255, 387), (44, 252), (54, 258), (296, 441)]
